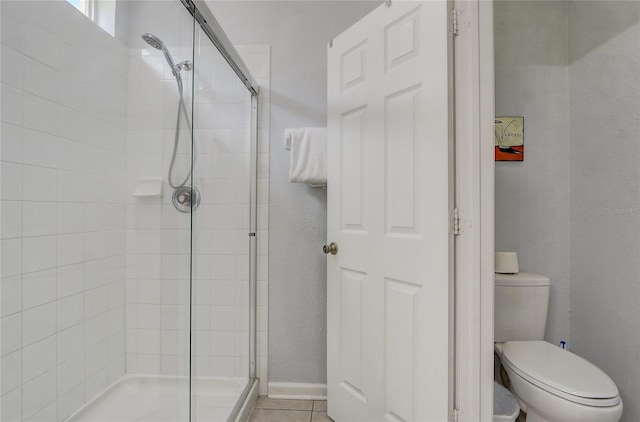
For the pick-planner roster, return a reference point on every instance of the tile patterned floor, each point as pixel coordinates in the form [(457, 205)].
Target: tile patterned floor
[(272, 410)]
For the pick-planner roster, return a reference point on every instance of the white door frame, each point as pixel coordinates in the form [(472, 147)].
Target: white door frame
[(474, 109)]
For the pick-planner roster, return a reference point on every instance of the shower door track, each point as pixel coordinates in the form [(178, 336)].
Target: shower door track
[(200, 11)]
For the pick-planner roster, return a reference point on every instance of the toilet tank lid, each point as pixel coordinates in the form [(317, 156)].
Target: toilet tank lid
[(521, 279)]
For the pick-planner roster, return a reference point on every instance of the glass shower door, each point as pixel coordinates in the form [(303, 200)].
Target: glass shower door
[(220, 228), (159, 231)]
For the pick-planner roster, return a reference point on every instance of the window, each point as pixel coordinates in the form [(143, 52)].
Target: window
[(102, 12)]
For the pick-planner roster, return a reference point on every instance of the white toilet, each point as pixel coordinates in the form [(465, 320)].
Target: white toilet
[(549, 383)]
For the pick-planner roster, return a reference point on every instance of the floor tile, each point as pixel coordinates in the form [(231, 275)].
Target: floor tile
[(320, 405), (267, 403), (320, 417), (273, 415)]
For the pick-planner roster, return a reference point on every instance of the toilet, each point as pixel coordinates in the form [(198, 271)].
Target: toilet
[(550, 384)]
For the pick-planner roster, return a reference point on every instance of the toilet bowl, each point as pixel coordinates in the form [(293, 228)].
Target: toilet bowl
[(555, 385)]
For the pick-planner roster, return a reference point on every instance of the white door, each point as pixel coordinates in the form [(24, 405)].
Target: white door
[(388, 211)]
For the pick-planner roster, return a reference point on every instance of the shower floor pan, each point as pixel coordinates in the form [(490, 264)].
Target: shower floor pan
[(151, 398)]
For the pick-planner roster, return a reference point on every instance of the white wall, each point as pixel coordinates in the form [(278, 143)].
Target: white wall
[(64, 84), (298, 33), (604, 74), (532, 197)]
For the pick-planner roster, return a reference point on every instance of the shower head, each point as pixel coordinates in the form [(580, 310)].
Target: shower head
[(157, 43), (154, 41)]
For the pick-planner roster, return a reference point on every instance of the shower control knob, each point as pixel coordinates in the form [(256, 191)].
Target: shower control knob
[(331, 248)]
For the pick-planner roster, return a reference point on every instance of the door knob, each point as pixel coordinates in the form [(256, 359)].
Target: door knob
[(331, 248)]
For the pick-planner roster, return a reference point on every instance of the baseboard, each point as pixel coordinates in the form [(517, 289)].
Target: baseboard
[(295, 390)]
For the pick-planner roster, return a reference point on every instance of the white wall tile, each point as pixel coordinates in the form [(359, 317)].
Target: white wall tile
[(38, 323), (13, 27), (43, 46), (11, 372), (71, 92), (70, 249), (38, 358), (116, 369), (70, 311), (223, 343), (72, 187), (40, 79), (70, 401), (95, 384), (40, 114), (38, 288), (72, 155), (10, 257), (70, 280), (95, 302), (38, 253), (70, 217), (49, 413), (12, 103), (96, 358), (10, 295), (95, 330), (10, 333), (39, 148), (149, 291), (12, 403), (70, 342), (148, 342), (72, 124), (11, 147), (148, 364), (70, 374), (38, 218), (38, 393), (39, 183), (148, 316), (10, 181)]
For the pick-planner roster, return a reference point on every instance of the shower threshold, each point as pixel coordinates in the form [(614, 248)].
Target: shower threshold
[(154, 398)]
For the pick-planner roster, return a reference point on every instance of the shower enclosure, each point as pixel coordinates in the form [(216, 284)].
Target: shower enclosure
[(128, 236)]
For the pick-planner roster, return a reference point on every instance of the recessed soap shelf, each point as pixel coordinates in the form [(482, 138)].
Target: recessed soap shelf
[(148, 188)]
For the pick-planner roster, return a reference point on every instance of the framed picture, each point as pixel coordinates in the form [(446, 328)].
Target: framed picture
[(509, 138)]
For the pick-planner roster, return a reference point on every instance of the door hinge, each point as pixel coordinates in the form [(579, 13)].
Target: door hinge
[(455, 222), (454, 22)]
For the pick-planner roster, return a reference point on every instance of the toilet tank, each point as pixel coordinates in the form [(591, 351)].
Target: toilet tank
[(521, 303)]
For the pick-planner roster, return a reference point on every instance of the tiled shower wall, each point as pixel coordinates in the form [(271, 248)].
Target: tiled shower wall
[(64, 83)]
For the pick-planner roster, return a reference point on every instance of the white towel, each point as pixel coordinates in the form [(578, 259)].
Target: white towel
[(308, 155)]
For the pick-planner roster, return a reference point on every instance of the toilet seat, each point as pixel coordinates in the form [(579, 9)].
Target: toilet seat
[(560, 372)]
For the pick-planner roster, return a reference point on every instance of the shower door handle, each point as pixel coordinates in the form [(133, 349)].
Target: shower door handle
[(331, 248)]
